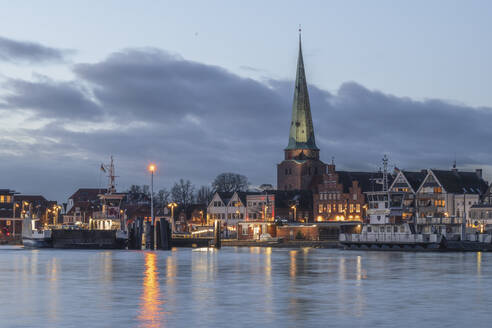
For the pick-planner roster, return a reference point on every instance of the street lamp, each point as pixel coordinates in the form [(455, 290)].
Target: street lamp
[(152, 170), (172, 205)]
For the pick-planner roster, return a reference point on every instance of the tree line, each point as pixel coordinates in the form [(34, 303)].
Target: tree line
[(185, 193)]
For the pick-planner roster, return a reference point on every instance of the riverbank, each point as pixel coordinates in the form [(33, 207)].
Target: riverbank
[(281, 244)]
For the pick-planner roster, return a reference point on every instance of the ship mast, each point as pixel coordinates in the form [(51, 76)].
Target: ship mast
[(111, 176)]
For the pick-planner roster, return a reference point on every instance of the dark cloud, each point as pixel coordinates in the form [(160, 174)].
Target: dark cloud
[(50, 99), (30, 52), (197, 120)]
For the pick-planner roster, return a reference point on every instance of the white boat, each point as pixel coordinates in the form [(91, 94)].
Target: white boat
[(32, 237)]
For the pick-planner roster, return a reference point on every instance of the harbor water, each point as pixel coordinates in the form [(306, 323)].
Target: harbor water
[(243, 287)]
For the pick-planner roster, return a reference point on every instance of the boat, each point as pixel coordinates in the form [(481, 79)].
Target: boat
[(33, 238), (107, 228), (428, 234)]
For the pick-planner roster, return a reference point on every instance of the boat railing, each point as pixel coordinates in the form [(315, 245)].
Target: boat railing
[(391, 238)]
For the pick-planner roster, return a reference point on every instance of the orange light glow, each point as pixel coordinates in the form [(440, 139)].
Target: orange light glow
[(152, 168), (151, 303)]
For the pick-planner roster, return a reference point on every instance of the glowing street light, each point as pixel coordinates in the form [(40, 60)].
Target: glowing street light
[(172, 205), (152, 170)]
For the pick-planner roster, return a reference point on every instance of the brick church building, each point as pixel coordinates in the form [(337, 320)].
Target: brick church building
[(301, 167)]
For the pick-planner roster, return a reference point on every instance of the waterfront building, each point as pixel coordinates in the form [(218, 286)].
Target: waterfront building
[(8, 222), (450, 193), (82, 205), (301, 165), (229, 208), (402, 193), (340, 196), (261, 206), (14, 206), (481, 214), (44, 212)]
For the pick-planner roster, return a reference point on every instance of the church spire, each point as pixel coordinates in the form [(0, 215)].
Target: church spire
[(301, 129)]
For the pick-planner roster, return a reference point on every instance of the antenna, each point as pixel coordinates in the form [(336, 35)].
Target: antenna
[(385, 173)]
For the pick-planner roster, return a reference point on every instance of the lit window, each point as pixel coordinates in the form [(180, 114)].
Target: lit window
[(357, 208), (320, 208)]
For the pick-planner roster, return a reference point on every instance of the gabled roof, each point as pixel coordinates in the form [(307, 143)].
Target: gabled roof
[(459, 182), (87, 194), (225, 196), (414, 179), (368, 181)]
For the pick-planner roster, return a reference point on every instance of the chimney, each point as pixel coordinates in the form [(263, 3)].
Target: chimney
[(479, 173)]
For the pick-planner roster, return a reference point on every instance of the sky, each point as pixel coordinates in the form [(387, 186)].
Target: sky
[(205, 87)]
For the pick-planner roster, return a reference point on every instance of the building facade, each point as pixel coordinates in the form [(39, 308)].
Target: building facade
[(451, 193), (339, 196)]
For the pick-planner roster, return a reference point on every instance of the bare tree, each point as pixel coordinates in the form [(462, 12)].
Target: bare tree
[(204, 195), (230, 182), (183, 192), (162, 197), (138, 194)]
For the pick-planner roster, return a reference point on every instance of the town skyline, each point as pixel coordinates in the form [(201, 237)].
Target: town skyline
[(151, 104)]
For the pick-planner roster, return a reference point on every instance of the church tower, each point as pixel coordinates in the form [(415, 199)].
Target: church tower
[(301, 164)]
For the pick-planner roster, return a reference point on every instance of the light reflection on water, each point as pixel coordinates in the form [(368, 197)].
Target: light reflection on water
[(243, 287), (151, 303)]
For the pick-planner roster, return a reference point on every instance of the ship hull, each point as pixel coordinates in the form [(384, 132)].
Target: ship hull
[(88, 239), (36, 243)]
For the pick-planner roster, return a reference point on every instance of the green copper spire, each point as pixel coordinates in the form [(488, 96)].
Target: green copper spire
[(301, 129)]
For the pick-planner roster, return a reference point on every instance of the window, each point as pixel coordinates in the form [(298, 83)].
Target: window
[(340, 208), (245, 230), (320, 208), (229, 216), (354, 196), (395, 229), (351, 208), (437, 190), (357, 208), (286, 171)]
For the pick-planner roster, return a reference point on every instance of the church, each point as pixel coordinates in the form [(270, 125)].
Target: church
[(301, 168)]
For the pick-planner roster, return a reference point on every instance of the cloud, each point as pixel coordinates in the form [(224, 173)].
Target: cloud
[(50, 99), (30, 52), (198, 120)]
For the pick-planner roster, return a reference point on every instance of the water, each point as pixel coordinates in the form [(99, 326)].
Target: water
[(243, 287)]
